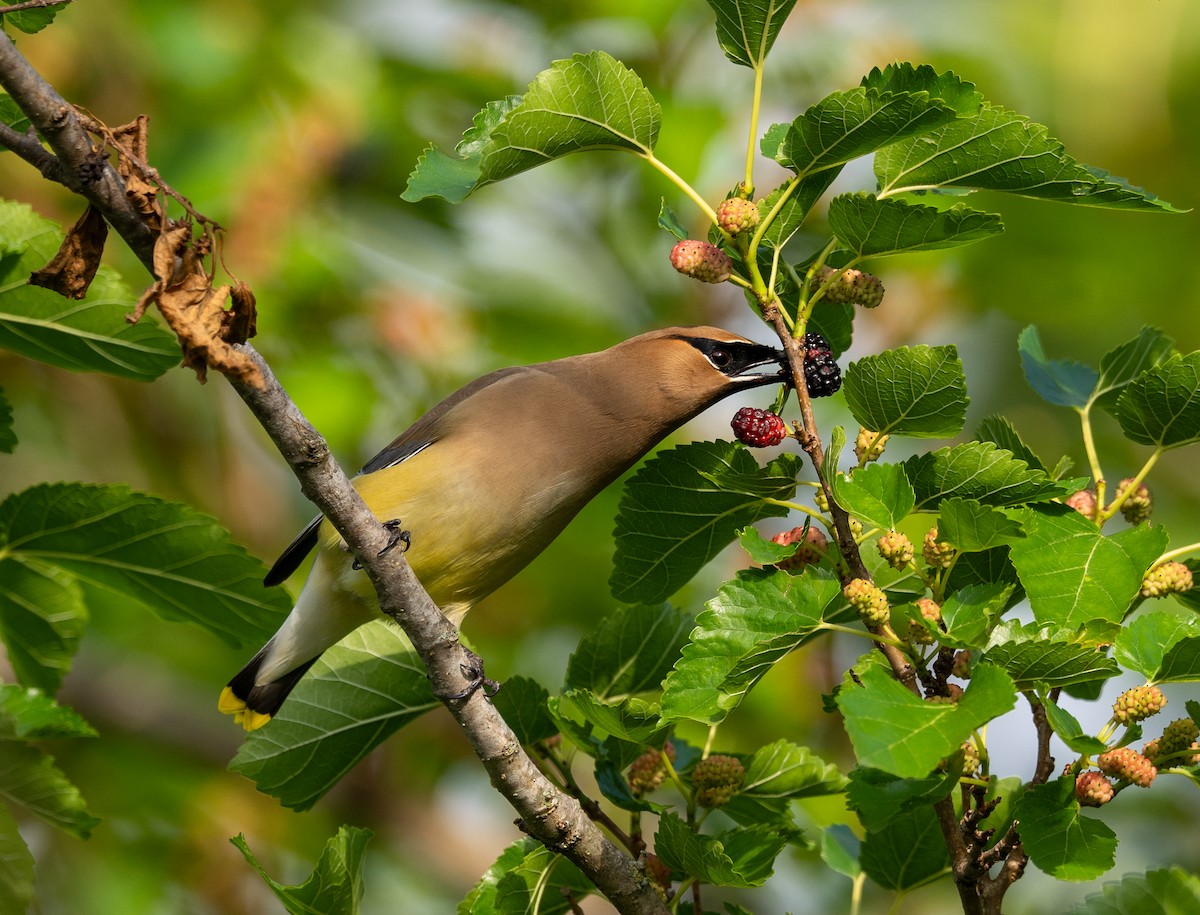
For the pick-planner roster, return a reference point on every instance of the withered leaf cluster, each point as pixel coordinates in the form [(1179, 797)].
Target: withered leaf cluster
[(209, 321)]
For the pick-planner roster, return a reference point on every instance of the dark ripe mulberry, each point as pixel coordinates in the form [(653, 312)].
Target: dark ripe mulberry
[(822, 376), (758, 428), (815, 344)]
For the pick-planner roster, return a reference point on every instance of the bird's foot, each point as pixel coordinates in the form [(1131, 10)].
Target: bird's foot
[(473, 671), (396, 536)]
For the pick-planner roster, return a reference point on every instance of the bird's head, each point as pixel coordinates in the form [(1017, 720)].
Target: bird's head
[(684, 370)]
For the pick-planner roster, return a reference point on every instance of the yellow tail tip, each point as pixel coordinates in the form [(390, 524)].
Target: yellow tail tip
[(230, 704)]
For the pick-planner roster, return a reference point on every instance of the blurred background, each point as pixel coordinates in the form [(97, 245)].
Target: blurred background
[(295, 125)]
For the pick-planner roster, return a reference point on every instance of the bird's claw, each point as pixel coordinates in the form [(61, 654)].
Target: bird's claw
[(473, 671), (396, 536)]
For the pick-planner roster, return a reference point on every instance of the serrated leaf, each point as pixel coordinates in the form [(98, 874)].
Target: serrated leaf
[(970, 612), (973, 527), (879, 797), (1161, 645), (906, 852), (629, 652), (29, 714), (893, 730), (113, 543), (683, 506), (334, 887), (986, 568), (16, 866), (588, 102), (1035, 656), (846, 125), (1162, 405), (1060, 840), (1003, 434), (740, 858), (28, 777), (535, 884), (1057, 381), (90, 334), (1069, 731), (746, 29), (981, 472), (356, 696), (917, 391), (1169, 891), (879, 495), (871, 227), (763, 551), (1121, 365), (8, 435), (791, 203), (1000, 150), (522, 704), (438, 174), (946, 87), (1073, 573), (482, 898), (755, 620), (632, 720), (784, 770), (34, 20)]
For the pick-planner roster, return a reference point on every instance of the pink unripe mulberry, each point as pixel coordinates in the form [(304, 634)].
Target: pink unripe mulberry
[(1092, 789), (737, 214), (701, 260)]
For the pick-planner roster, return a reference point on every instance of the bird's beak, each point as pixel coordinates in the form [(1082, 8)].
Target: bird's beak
[(769, 367)]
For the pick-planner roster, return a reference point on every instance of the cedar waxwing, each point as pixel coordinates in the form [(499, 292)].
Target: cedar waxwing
[(484, 481)]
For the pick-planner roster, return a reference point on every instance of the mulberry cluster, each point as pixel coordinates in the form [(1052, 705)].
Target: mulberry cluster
[(822, 376), (852, 286), (868, 445), (1178, 737), (758, 428), (648, 771), (930, 611), (1129, 765), (938, 553), (1168, 578), (971, 760), (814, 546), (737, 214), (895, 548), (1138, 704), (869, 601), (1137, 507), (701, 260), (717, 779), (1092, 789)]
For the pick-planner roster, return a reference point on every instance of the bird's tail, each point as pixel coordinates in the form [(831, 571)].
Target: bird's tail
[(251, 704)]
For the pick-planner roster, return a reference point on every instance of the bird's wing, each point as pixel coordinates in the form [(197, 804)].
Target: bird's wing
[(417, 437)]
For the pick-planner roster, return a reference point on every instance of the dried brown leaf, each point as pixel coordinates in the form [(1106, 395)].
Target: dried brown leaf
[(71, 271)]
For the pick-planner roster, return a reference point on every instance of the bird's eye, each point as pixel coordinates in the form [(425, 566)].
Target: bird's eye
[(721, 358)]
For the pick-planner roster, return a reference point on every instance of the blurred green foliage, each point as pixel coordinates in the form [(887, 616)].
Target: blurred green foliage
[(295, 126)]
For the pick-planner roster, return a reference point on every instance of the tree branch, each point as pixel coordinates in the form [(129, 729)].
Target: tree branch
[(550, 815), (80, 166)]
